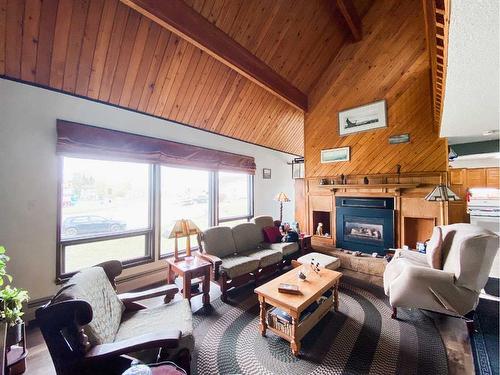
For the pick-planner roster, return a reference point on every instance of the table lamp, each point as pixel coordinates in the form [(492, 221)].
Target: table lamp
[(281, 197), (441, 193), (183, 228)]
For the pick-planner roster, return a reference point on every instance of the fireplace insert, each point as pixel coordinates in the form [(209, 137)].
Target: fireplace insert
[(365, 224)]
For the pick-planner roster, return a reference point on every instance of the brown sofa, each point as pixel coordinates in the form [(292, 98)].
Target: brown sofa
[(239, 254)]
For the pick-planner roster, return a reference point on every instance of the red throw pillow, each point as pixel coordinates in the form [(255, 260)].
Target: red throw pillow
[(272, 234)]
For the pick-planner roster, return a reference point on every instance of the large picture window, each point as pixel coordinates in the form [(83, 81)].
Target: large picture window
[(107, 209), (106, 212), (185, 194)]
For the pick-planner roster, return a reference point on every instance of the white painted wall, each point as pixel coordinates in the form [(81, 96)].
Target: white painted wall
[(28, 172)]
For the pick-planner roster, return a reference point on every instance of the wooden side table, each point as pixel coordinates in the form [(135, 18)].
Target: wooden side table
[(190, 271), (305, 243)]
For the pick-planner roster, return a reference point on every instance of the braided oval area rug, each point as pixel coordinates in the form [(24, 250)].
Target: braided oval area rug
[(361, 338)]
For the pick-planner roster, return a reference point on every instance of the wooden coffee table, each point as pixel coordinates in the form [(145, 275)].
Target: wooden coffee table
[(311, 289)]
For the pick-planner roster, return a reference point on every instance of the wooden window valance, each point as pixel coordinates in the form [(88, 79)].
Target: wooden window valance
[(75, 139)]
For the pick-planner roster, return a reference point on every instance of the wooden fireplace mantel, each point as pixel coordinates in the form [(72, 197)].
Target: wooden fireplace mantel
[(335, 187), (414, 216)]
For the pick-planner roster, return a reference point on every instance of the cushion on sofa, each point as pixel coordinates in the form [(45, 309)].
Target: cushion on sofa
[(218, 241), (92, 285), (272, 234), (286, 248), (263, 221), (434, 249), (266, 257), (160, 318), (237, 265), (247, 236)]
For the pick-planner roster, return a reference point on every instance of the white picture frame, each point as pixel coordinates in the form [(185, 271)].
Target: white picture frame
[(335, 155), (363, 118)]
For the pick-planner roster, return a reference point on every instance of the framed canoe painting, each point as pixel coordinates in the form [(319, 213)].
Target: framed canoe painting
[(364, 118)]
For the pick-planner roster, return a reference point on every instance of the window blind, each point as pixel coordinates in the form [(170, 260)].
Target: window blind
[(79, 140)]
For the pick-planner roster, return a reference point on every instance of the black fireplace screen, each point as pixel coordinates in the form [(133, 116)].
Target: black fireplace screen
[(365, 224)]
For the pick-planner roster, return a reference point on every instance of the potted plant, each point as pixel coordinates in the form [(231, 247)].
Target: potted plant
[(13, 299), (11, 304)]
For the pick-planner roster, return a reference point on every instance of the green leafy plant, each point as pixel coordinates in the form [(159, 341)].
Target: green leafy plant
[(3, 264), (11, 299)]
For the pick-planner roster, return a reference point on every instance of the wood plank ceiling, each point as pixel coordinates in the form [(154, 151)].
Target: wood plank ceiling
[(104, 50)]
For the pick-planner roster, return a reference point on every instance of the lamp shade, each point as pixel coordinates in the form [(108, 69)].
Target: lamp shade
[(184, 228), (281, 197), (441, 193)]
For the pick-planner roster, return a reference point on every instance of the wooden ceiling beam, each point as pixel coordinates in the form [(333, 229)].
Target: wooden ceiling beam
[(180, 19), (351, 17)]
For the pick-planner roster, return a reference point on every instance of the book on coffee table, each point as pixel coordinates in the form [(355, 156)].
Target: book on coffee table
[(288, 288)]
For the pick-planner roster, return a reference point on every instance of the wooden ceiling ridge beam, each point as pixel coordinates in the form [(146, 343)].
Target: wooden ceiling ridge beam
[(351, 17), (177, 17)]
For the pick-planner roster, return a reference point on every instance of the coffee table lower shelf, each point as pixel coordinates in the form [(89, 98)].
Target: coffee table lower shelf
[(303, 327), (297, 329)]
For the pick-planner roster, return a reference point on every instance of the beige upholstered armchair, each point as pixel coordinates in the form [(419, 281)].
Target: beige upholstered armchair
[(467, 257)]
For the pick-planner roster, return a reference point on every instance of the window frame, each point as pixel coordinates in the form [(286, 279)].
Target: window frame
[(149, 232), (153, 232)]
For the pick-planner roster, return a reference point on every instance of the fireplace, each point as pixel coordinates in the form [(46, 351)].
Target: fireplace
[(365, 224)]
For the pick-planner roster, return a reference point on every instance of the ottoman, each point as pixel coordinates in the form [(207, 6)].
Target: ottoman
[(325, 261)]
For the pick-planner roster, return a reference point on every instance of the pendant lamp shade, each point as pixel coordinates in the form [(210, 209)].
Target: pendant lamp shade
[(441, 193)]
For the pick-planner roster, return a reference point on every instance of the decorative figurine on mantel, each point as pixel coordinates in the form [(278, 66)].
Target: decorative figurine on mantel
[(366, 181), (398, 170), (319, 229), (342, 179)]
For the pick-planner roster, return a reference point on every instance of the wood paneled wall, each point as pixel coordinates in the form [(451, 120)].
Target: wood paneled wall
[(391, 62), (103, 50)]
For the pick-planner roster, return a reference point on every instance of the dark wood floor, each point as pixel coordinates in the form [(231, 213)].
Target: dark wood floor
[(453, 332)]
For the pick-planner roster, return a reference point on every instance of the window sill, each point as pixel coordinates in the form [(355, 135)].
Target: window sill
[(126, 264)]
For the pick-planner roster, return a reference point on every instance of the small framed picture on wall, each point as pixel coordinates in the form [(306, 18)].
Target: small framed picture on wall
[(335, 155), (266, 173)]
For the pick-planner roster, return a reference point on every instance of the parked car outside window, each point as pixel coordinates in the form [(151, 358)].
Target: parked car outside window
[(78, 225)]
